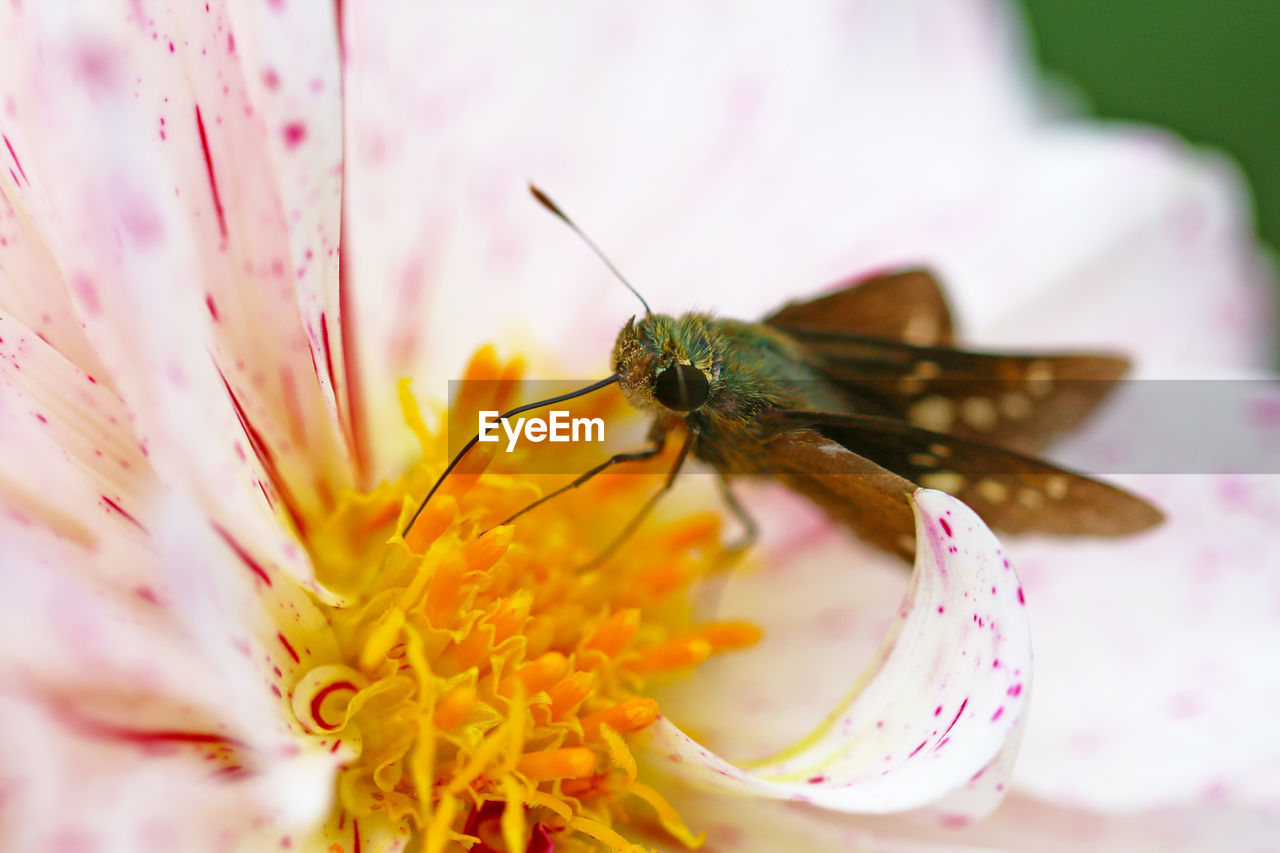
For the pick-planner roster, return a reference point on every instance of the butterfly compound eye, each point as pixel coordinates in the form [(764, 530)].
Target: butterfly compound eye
[(682, 387)]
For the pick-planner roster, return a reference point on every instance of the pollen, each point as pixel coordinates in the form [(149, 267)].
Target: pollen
[(487, 682)]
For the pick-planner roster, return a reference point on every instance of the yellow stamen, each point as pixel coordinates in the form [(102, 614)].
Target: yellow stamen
[(485, 687)]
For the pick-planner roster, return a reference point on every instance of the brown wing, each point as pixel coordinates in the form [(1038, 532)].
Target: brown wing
[(852, 489), (907, 306), (1021, 401), (1011, 492)]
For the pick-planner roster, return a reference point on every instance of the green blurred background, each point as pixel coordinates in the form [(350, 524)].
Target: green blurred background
[(1209, 69)]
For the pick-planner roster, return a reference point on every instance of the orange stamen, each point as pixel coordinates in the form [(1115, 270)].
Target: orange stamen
[(692, 531), (611, 637), (454, 707), (434, 520), (570, 763), (536, 675), (629, 716), (488, 549), (569, 692), (675, 654), (728, 636), (443, 592)]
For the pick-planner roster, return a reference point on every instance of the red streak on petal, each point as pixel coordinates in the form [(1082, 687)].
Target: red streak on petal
[(263, 452), (356, 433), (245, 556), (328, 351), (342, 52), (288, 648), (16, 162), (213, 308), (355, 832), (213, 182), (323, 694), (917, 749), (957, 717), (110, 731), (123, 512)]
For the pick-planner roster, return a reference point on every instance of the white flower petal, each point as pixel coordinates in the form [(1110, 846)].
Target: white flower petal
[(189, 671), (943, 697), (70, 788), (1155, 678), (1021, 823), (25, 258), (80, 474), (713, 167), (175, 243), (1091, 234)]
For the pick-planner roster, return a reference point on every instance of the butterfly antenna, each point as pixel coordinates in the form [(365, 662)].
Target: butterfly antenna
[(551, 206)]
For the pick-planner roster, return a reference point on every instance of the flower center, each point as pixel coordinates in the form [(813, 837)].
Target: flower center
[(488, 685)]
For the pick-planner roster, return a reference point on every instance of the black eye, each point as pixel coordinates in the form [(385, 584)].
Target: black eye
[(682, 387)]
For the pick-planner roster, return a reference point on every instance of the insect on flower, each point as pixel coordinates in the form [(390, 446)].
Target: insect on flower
[(854, 399)]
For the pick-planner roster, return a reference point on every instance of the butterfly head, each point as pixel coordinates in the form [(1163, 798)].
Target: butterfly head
[(665, 364)]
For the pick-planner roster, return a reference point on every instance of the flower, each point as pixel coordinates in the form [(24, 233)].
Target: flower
[(218, 269)]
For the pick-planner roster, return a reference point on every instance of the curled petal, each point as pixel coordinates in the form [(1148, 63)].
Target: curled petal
[(933, 712)]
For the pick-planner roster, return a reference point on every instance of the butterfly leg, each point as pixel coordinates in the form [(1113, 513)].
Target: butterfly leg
[(750, 530), (640, 516), (657, 436)]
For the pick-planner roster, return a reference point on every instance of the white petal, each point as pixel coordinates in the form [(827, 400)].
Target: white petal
[(713, 167), (1021, 823), (937, 705), (74, 469), (176, 243), (116, 699), (70, 788), (1057, 256), (1155, 677)]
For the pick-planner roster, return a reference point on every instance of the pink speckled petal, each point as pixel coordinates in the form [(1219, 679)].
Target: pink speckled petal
[(176, 241), (937, 706), (79, 475), (25, 259)]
